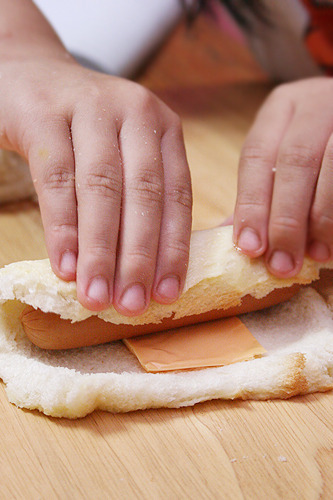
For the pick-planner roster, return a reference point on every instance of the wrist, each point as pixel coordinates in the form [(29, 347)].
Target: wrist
[(25, 33), (30, 48)]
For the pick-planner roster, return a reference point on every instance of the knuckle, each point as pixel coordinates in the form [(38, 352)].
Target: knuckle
[(148, 186), (173, 124), (39, 121), (38, 117), (63, 227), (175, 121), (248, 203), (180, 195), (322, 221), (285, 226), (177, 249), (144, 100), (297, 156), (44, 116), (55, 177), (102, 182), (100, 248), (254, 155), (93, 95), (141, 256)]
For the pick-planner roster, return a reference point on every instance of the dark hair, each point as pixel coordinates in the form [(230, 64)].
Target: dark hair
[(255, 6), (233, 6)]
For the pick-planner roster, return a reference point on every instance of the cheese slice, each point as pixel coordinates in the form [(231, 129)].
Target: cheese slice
[(215, 343)]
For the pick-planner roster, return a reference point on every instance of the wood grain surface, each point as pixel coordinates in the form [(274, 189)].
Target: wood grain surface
[(228, 450)]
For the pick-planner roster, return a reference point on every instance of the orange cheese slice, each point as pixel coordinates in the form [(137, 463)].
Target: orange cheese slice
[(215, 343)]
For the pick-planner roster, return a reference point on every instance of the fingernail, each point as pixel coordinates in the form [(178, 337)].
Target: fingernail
[(68, 262), (281, 262), (98, 290), (249, 240), (168, 288), (319, 251), (134, 298)]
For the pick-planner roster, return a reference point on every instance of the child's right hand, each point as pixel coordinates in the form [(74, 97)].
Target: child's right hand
[(108, 161)]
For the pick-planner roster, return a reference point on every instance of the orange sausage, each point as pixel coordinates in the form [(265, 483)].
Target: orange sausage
[(49, 331)]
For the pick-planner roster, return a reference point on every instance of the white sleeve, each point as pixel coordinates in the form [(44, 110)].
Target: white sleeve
[(113, 36)]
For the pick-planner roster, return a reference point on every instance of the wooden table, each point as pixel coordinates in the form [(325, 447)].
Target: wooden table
[(218, 449)]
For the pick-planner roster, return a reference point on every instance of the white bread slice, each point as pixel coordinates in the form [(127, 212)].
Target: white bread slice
[(298, 337), (218, 276)]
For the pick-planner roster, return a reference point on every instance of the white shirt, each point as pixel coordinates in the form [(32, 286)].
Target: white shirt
[(113, 36)]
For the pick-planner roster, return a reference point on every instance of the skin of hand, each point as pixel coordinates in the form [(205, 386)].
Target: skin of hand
[(284, 205), (108, 162)]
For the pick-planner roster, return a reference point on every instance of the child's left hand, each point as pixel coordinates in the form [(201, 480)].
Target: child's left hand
[(284, 204)]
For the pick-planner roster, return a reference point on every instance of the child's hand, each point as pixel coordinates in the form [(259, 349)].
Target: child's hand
[(109, 166), (284, 205)]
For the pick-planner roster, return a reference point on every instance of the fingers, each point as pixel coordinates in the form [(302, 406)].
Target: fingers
[(98, 173), (156, 216), (297, 170), (142, 205), (256, 177), (116, 204), (52, 167), (176, 222), (278, 190), (320, 240)]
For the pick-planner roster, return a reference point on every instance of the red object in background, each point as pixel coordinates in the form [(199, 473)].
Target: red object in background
[(319, 36)]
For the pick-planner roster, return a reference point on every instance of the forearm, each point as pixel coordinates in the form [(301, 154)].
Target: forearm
[(24, 30), (29, 50)]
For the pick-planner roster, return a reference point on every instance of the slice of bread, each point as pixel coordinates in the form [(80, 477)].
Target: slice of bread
[(218, 277), (298, 337)]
